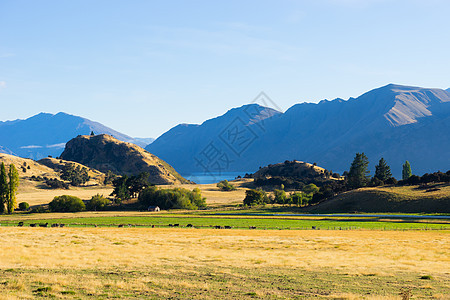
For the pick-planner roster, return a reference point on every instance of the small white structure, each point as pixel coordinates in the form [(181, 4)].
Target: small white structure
[(154, 208)]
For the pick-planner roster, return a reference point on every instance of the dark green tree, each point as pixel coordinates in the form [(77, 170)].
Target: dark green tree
[(3, 187), (406, 172), (382, 171), (255, 197), (358, 176), (137, 183), (121, 189)]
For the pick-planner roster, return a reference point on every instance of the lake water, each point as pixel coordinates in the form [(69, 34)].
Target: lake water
[(205, 178)]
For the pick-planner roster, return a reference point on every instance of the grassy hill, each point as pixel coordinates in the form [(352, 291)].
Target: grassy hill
[(96, 176), (405, 199)]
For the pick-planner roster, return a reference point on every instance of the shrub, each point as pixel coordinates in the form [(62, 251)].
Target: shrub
[(376, 182), (66, 203), (39, 210), (391, 180), (171, 198), (24, 206), (224, 185), (97, 202), (56, 184)]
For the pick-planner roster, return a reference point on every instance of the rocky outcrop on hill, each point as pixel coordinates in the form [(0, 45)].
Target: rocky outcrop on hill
[(103, 152), (293, 169)]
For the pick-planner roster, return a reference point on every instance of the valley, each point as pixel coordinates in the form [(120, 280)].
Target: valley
[(291, 229)]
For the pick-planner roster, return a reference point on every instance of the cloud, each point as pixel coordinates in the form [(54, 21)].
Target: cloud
[(60, 145), (31, 147), (2, 84)]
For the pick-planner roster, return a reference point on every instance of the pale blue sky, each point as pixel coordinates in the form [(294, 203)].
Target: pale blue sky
[(141, 67)]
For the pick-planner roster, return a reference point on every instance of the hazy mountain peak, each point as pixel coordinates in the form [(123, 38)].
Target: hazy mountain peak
[(46, 134)]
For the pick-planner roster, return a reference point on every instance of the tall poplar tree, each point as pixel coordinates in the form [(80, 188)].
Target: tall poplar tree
[(13, 184), (358, 176), (406, 172), (3, 187)]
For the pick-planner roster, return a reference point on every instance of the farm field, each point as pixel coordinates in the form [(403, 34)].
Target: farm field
[(154, 263), (208, 220), (351, 257)]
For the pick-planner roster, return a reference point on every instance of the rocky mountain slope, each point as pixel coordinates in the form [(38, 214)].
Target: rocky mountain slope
[(46, 134), (395, 122), (104, 152)]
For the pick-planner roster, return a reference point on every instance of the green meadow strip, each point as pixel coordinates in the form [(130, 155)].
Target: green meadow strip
[(269, 223)]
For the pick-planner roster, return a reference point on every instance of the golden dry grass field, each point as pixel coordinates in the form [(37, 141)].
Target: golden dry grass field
[(31, 192), (146, 263), (34, 196)]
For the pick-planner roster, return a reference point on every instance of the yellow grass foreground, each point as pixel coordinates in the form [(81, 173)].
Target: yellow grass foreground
[(235, 264)]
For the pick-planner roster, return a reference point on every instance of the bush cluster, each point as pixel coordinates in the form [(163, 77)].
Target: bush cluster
[(224, 185), (299, 198), (426, 178), (97, 202), (56, 184), (171, 198), (76, 175)]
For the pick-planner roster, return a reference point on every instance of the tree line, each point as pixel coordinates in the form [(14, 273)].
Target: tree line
[(358, 176)]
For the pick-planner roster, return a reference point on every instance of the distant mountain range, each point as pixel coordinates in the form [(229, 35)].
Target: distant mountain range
[(47, 134), (395, 122)]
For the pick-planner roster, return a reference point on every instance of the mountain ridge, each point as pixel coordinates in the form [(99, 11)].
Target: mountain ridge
[(391, 121)]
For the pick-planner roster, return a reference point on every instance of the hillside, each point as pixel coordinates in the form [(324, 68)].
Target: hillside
[(57, 165), (106, 153), (28, 167), (395, 122), (407, 199), (46, 134), (48, 168)]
